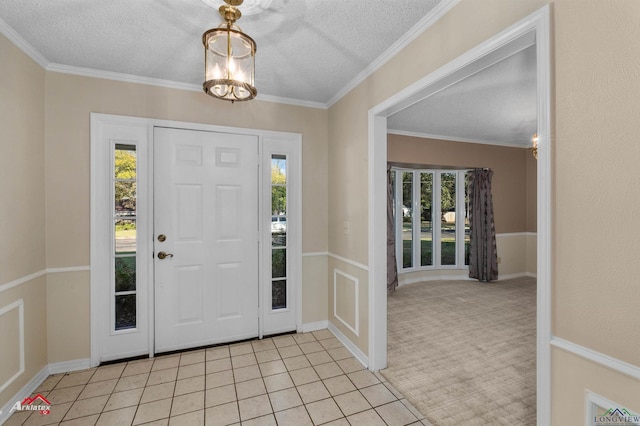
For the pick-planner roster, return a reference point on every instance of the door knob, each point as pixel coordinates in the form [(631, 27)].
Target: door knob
[(162, 255)]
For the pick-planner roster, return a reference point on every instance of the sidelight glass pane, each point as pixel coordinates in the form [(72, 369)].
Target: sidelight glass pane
[(278, 169), (448, 218), (125, 236), (279, 294), (278, 263), (426, 219), (278, 238), (125, 273), (278, 200), (407, 219), (125, 312), (125, 163), (125, 199)]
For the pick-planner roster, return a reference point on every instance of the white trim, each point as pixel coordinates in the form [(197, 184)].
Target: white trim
[(415, 280), (27, 389), (349, 261), (130, 78), (68, 269), (19, 304), (534, 27), (356, 327), (68, 366), (540, 20), (502, 277), (22, 280), (315, 326), (516, 234), (455, 139), (22, 44), (414, 32), (357, 353), (31, 277), (318, 253), (292, 101), (597, 357)]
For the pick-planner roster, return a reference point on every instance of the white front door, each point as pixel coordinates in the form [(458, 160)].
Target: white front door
[(205, 237)]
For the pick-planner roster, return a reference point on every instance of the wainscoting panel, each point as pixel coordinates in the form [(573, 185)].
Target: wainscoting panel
[(12, 338), (346, 300)]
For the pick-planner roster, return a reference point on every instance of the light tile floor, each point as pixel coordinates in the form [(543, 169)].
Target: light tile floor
[(296, 379)]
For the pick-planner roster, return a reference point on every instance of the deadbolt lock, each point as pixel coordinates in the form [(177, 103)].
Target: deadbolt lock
[(162, 238)]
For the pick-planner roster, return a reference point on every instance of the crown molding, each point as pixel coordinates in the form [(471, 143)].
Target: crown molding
[(126, 78), (292, 101), (454, 139), (432, 17), (22, 44)]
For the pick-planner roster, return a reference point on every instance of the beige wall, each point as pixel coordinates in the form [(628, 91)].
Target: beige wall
[(22, 217), (596, 291), (21, 164), (510, 185)]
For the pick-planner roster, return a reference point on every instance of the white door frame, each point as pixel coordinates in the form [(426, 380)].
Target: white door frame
[(533, 29), (102, 129)]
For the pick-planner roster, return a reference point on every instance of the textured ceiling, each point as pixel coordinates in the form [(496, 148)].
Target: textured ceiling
[(309, 52), (502, 96)]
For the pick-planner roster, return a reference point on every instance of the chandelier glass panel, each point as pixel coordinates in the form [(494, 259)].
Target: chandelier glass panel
[(229, 58)]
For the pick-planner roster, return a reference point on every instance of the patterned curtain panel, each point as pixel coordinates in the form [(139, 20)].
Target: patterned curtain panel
[(483, 262), (392, 267)]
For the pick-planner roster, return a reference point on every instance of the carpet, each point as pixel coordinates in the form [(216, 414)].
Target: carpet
[(464, 352)]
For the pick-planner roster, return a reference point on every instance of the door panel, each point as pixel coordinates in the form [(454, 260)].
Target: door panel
[(206, 203)]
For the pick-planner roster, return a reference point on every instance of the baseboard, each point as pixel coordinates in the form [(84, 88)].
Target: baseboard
[(516, 275), (357, 353), (26, 390), (415, 280), (67, 366), (315, 326)]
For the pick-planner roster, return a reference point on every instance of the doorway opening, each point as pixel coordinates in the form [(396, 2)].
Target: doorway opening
[(538, 26)]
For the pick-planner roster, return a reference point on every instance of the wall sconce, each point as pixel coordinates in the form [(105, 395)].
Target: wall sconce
[(534, 144)]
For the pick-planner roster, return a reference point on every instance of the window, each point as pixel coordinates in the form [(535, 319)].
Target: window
[(279, 232), (422, 241), (125, 237)]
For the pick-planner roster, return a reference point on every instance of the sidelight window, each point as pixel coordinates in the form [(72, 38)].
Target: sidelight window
[(279, 191), (124, 290)]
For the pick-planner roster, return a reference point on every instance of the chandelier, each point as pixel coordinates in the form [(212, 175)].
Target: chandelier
[(229, 58)]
